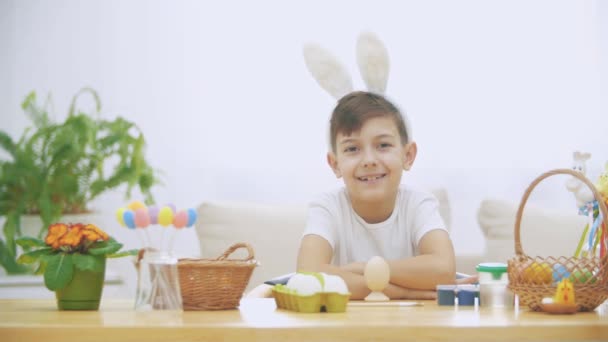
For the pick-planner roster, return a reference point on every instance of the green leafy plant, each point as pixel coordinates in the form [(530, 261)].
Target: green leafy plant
[(59, 168), (69, 247)]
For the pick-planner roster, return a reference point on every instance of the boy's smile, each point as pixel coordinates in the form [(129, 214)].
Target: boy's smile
[(371, 162), (372, 178)]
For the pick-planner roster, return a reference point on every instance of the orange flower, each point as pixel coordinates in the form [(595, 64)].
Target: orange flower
[(56, 232), (73, 237), (93, 233), (60, 234)]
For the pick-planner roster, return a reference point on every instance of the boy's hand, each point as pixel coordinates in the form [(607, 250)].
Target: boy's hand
[(359, 268), (260, 291), (468, 280), (398, 292)]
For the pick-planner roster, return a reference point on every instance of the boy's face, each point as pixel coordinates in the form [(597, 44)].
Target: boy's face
[(371, 161)]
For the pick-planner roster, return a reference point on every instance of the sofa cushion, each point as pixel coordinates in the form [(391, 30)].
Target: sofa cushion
[(274, 232), (543, 232)]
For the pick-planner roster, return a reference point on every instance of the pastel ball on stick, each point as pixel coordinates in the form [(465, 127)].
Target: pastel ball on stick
[(191, 217), (181, 219), (172, 206), (136, 205), (129, 218), (119, 216), (165, 216), (142, 219), (153, 214)]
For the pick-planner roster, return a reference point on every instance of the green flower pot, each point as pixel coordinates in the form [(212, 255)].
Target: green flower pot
[(84, 291)]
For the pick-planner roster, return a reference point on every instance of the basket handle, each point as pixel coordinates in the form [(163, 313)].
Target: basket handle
[(518, 249), (236, 246)]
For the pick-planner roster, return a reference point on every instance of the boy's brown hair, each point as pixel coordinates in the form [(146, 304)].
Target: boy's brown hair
[(355, 108)]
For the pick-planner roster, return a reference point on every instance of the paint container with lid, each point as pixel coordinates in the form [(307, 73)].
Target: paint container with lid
[(493, 285)]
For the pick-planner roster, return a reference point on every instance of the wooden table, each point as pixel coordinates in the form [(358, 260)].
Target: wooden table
[(259, 320)]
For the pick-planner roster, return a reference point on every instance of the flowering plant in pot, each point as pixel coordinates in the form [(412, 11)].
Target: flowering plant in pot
[(73, 260)]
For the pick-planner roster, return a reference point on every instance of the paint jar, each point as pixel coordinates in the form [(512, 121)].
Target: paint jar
[(467, 293), (493, 285), (446, 294)]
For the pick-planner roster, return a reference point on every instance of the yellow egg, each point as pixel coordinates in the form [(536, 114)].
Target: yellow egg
[(538, 273)]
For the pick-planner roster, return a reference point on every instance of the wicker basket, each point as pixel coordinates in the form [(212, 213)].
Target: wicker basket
[(215, 284), (532, 279)]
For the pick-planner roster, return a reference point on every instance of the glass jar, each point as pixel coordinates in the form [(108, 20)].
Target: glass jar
[(157, 283), (493, 285)]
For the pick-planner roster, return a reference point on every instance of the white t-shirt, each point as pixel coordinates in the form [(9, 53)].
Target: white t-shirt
[(332, 217)]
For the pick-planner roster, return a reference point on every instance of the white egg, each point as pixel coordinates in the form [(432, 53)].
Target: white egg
[(304, 284), (334, 284), (377, 273)]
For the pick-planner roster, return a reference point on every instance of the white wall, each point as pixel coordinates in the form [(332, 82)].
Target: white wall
[(497, 91)]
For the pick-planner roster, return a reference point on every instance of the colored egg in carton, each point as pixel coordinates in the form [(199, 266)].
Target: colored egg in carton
[(312, 292)]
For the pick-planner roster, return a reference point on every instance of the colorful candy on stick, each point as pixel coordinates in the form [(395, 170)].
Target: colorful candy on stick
[(172, 206), (181, 219), (165, 216), (142, 219), (191, 217), (136, 205), (153, 213), (119, 216), (129, 218), (137, 215)]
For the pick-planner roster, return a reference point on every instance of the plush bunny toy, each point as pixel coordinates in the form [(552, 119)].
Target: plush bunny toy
[(582, 193), (373, 61)]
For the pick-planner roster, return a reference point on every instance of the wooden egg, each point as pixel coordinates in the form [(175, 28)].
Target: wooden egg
[(377, 273)]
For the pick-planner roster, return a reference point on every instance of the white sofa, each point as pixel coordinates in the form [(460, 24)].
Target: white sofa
[(274, 232), (544, 232)]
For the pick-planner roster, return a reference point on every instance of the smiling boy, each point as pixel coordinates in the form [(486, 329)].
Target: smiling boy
[(374, 214)]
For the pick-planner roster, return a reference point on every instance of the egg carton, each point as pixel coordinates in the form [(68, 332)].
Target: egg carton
[(319, 302)]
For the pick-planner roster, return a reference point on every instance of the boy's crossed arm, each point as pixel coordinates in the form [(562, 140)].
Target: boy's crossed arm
[(315, 256), (435, 265)]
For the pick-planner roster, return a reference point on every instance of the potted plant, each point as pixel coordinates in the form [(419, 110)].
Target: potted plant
[(73, 257), (58, 168)]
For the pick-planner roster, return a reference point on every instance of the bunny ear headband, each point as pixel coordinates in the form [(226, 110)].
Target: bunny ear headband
[(373, 61)]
